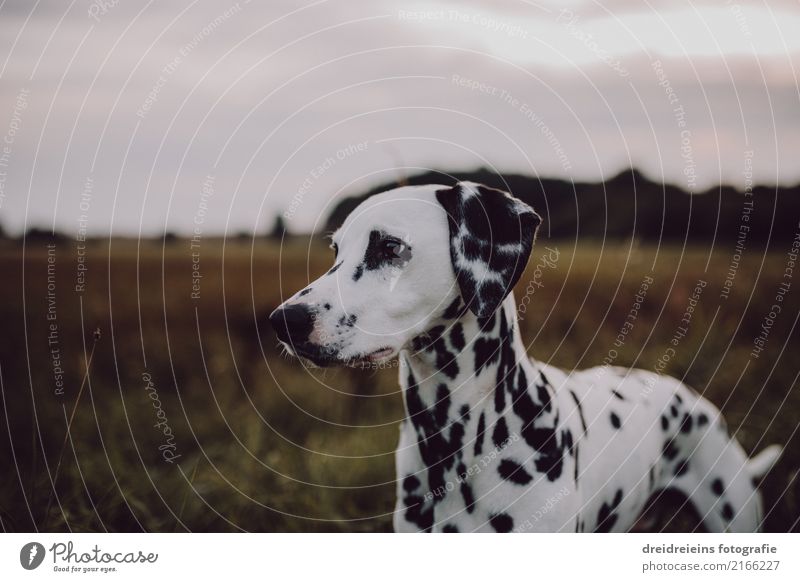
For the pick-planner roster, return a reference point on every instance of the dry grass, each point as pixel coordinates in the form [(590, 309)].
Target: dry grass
[(265, 444)]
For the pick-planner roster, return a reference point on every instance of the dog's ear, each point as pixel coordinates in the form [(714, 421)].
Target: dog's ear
[(491, 237)]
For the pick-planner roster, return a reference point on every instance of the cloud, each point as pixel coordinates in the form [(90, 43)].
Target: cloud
[(151, 102)]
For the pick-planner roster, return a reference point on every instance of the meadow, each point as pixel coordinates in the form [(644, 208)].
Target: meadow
[(184, 414)]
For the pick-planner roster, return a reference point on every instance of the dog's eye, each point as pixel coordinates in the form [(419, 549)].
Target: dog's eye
[(383, 249), (391, 248)]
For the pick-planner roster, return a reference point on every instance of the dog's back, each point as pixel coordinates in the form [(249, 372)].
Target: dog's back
[(642, 434)]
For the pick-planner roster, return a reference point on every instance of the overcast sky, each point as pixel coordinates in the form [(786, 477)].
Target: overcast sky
[(137, 117)]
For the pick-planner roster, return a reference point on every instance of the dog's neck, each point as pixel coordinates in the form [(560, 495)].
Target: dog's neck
[(468, 376), (463, 352)]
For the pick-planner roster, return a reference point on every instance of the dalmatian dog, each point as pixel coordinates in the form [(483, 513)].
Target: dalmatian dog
[(493, 440)]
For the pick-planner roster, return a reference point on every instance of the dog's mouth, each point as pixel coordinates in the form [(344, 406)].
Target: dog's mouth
[(316, 356), (378, 355), (325, 358)]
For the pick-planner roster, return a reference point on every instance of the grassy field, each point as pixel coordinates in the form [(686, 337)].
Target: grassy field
[(257, 442)]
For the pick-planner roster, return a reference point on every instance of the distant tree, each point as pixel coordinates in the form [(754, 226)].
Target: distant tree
[(625, 205), (36, 234), (278, 228)]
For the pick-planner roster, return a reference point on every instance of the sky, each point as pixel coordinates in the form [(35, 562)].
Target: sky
[(129, 118)]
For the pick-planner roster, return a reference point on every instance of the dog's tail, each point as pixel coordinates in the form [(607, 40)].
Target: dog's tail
[(760, 465)]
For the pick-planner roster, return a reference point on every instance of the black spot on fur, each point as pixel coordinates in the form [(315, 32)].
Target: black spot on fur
[(304, 292), (445, 360), (501, 522), (551, 454), (479, 435), (464, 412), (433, 341), (410, 483), (335, 268), (491, 293), (486, 324), (717, 487), (468, 496), (486, 352), (442, 405), (358, 272), (506, 366), (673, 411), (500, 432), (528, 411), (457, 337), (702, 419), (615, 421), (434, 334), (541, 392), (449, 528), (348, 321), (566, 435), (606, 518), (670, 450), (327, 306), (664, 422), (417, 513), (580, 410), (453, 310), (514, 472), (682, 468), (727, 512), (617, 394), (686, 424)]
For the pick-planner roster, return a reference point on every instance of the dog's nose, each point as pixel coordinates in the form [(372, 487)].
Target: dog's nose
[(292, 323)]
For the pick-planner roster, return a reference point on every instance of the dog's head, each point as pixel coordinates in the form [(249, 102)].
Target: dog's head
[(400, 260)]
